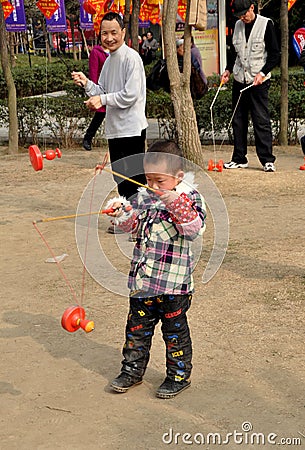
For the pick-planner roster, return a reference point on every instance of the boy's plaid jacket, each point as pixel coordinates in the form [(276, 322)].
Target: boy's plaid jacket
[(162, 261)]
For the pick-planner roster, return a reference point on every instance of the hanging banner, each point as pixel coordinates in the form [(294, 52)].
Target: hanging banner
[(207, 43), (150, 10), (7, 9), (47, 7), (85, 19), (291, 3), (298, 41), (58, 23), (16, 20)]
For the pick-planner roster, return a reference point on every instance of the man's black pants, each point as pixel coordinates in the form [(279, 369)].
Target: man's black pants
[(255, 101), (122, 148), (144, 314)]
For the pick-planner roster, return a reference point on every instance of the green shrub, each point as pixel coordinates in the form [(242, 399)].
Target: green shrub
[(43, 78)]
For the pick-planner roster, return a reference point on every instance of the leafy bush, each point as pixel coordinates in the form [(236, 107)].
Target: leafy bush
[(61, 120), (41, 79)]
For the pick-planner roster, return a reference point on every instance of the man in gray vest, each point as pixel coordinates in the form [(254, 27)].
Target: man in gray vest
[(255, 54)]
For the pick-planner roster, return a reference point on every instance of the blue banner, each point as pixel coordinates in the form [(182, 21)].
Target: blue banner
[(58, 22), (85, 19), (16, 20)]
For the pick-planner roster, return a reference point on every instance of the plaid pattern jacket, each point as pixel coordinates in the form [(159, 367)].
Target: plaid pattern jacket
[(162, 261)]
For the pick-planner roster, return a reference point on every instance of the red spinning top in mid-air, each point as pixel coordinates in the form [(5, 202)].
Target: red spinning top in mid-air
[(36, 157)]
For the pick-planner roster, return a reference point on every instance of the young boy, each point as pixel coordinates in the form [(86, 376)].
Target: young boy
[(166, 219)]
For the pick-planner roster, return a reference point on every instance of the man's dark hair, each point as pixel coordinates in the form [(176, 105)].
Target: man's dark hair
[(167, 151), (114, 16)]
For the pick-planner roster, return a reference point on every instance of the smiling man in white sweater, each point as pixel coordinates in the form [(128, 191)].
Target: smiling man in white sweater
[(122, 89)]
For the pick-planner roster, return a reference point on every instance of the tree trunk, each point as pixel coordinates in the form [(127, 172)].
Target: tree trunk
[(72, 23), (46, 40), (186, 124), (126, 20), (135, 24), (11, 40), (12, 101), (283, 140)]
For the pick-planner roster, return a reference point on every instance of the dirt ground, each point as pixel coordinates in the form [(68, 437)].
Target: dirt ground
[(247, 323)]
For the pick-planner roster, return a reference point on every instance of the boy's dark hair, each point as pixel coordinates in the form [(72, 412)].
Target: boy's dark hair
[(114, 16), (167, 151)]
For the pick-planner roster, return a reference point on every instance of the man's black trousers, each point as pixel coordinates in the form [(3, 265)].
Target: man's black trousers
[(255, 101), (122, 148)]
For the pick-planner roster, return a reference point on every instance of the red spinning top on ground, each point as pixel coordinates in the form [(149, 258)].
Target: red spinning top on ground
[(36, 157), (216, 167), (74, 318), (303, 166)]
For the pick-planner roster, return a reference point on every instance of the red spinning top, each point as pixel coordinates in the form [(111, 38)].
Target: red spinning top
[(216, 167), (74, 318), (36, 157)]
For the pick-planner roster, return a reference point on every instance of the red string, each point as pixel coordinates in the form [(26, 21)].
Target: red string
[(87, 237), (100, 168)]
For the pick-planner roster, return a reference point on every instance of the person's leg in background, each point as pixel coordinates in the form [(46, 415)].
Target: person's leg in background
[(262, 123), (303, 144), (240, 123), (96, 122)]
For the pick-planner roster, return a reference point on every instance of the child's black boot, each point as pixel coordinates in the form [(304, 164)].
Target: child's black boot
[(124, 381), (170, 388)]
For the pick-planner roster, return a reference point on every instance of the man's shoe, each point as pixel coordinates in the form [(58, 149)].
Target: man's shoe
[(87, 144), (234, 165), (115, 230), (269, 167), (124, 381), (170, 388)]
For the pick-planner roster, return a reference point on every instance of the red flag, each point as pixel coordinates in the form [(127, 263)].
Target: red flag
[(47, 7), (291, 3), (7, 8)]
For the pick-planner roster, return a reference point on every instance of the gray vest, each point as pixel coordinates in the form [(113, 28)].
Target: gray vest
[(251, 55)]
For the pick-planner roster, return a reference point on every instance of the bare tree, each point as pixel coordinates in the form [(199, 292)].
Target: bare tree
[(135, 24), (186, 124), (261, 4), (12, 100), (283, 140), (127, 19), (284, 25)]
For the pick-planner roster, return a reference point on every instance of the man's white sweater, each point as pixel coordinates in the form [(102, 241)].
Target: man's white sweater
[(122, 87)]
